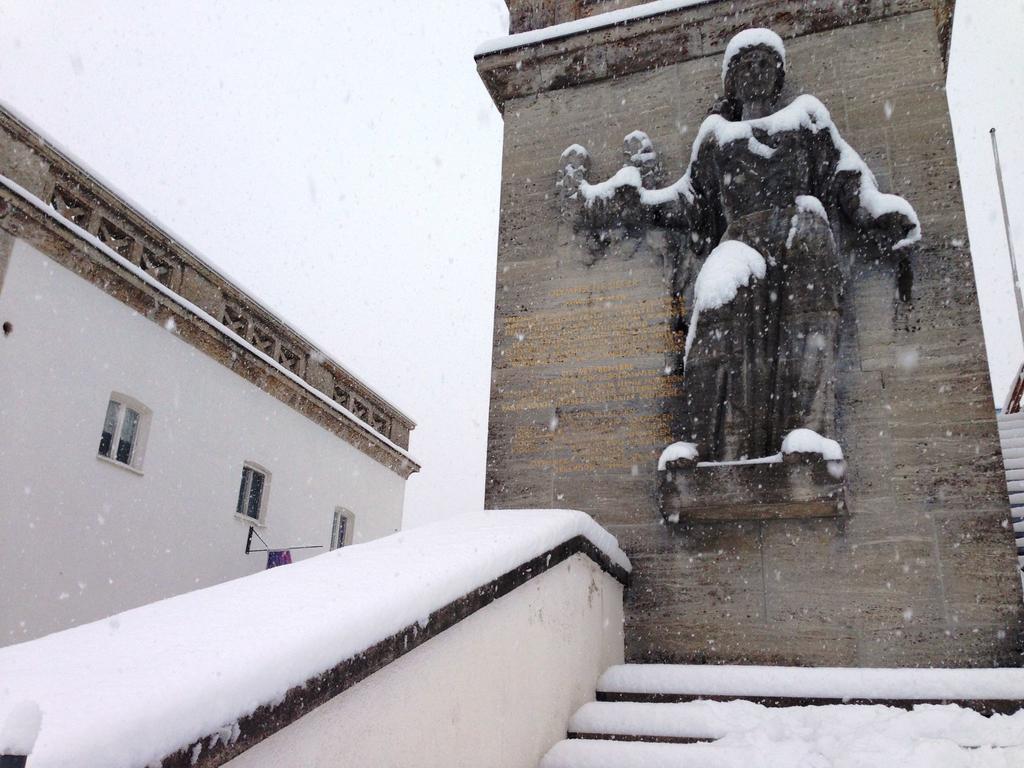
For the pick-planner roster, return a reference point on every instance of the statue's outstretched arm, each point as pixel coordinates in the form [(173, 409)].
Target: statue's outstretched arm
[(634, 194), (888, 219)]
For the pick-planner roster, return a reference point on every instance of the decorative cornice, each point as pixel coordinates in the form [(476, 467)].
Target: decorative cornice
[(59, 237), (218, 748), (604, 51), (78, 195)]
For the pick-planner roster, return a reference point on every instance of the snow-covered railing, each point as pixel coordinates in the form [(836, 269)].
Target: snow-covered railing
[(199, 678)]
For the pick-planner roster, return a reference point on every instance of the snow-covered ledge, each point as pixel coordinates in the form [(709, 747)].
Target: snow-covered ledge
[(522, 610)]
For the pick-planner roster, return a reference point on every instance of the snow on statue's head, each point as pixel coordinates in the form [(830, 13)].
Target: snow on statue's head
[(754, 69)]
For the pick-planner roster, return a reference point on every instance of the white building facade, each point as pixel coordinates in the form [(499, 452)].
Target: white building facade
[(151, 412)]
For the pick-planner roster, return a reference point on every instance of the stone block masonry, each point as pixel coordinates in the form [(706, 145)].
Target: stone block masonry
[(921, 572)]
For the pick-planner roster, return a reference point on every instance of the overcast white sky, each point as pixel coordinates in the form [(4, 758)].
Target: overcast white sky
[(341, 162)]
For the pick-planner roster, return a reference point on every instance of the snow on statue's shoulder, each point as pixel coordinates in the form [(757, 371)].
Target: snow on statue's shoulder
[(809, 441)]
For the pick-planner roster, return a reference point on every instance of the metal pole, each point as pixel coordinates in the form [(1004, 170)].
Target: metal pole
[(1009, 238)]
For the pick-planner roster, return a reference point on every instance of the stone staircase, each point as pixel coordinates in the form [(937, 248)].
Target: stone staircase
[(654, 715), (1011, 435), (711, 716)]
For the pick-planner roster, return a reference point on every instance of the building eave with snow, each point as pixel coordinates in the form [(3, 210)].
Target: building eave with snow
[(153, 411)]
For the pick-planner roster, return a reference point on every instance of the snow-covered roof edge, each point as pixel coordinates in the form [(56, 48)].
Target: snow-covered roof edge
[(135, 688), (200, 313), (171, 236), (589, 24)]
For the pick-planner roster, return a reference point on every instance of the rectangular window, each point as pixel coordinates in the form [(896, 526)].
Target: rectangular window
[(109, 427), (129, 429), (342, 528), (124, 428), (251, 493)]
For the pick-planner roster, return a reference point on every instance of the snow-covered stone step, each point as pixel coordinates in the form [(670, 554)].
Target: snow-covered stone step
[(1010, 418), (756, 749), (1015, 474), (637, 721), (1011, 434), (586, 753), (1015, 486), (1011, 464), (981, 689), (708, 721), (1016, 499), (1011, 443), (1013, 453)]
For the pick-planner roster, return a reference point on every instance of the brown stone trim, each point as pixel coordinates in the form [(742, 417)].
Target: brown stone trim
[(1016, 393), (48, 234), (30, 160), (984, 706), (666, 38), (944, 10), (302, 699), (6, 244)]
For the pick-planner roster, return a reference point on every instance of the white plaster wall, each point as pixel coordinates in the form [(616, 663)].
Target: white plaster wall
[(495, 690), (81, 538)]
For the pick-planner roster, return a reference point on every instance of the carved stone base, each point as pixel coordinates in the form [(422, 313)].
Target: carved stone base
[(802, 485)]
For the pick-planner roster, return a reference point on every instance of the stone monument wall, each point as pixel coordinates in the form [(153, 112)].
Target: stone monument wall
[(921, 568)]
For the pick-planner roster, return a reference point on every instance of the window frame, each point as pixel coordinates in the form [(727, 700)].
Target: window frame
[(137, 455), (261, 521), (346, 514)]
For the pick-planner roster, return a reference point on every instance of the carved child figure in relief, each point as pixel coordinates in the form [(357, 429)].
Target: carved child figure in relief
[(764, 202)]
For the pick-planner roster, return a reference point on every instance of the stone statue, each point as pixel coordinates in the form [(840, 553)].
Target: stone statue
[(768, 194)]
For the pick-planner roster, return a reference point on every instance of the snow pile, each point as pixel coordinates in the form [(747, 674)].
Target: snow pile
[(626, 176), (574, 150), (752, 736), (629, 176), (751, 38), (731, 266), (19, 728), (804, 204), (811, 204), (775, 458), (809, 441), (128, 690), (643, 146), (718, 719), (675, 452)]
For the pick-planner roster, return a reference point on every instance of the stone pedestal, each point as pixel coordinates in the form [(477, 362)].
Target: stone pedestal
[(799, 486)]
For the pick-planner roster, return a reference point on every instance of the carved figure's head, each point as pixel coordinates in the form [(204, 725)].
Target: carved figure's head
[(754, 68)]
